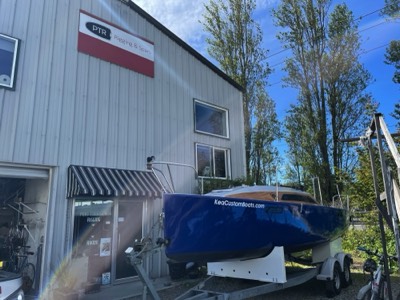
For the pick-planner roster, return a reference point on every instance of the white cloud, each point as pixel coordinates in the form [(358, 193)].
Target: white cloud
[(180, 16), (266, 4), (183, 17)]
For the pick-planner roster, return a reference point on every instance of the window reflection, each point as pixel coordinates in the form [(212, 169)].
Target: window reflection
[(210, 119), (93, 233)]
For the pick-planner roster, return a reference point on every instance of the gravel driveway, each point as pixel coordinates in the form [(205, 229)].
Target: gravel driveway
[(310, 290)]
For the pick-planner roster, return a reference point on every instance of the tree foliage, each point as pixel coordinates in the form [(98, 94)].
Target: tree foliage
[(362, 193), (298, 147), (396, 114), (324, 68), (392, 57), (235, 43), (363, 207), (392, 8), (263, 160)]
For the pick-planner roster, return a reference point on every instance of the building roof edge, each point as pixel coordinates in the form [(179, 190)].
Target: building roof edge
[(182, 43)]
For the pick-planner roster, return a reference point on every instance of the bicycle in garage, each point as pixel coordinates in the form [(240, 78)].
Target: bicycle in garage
[(18, 261)]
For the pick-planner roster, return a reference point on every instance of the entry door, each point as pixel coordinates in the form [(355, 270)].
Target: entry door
[(129, 229), (93, 237)]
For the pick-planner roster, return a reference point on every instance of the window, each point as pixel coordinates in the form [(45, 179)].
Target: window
[(300, 198), (210, 119), (212, 161), (8, 60)]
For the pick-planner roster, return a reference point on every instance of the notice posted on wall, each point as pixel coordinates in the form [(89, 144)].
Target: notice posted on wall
[(106, 278), (105, 246)]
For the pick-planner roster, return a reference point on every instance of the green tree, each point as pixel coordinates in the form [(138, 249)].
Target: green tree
[(324, 68), (235, 43), (266, 129), (396, 114), (392, 57), (297, 147), (362, 187), (392, 8)]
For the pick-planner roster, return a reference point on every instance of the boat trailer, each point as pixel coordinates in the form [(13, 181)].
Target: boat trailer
[(198, 292), (268, 274)]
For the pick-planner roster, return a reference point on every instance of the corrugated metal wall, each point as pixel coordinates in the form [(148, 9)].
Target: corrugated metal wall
[(71, 108)]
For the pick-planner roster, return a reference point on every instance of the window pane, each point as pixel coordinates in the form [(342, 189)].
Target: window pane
[(93, 235), (220, 163), (7, 63), (204, 167), (210, 119)]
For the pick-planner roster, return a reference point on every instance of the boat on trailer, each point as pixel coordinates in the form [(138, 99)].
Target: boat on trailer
[(247, 222)]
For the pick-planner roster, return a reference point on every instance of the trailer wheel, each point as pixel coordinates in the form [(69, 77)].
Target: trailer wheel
[(333, 287), (345, 276)]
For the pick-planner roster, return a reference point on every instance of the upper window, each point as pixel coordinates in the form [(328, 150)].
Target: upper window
[(210, 119), (212, 161), (8, 60)]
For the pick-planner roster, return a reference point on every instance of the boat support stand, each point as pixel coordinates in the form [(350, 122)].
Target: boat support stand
[(268, 274)]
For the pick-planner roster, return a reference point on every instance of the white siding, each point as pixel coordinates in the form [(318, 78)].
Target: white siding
[(71, 108)]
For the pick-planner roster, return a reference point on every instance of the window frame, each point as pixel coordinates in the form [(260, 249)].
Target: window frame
[(212, 107), (213, 149), (16, 42)]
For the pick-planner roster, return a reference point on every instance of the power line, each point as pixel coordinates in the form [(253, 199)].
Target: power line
[(370, 13), (275, 83), (273, 66), (376, 25), (372, 49), (279, 52), (358, 18), (281, 62), (362, 53)]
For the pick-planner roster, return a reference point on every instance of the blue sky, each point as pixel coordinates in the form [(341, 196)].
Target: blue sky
[(182, 17)]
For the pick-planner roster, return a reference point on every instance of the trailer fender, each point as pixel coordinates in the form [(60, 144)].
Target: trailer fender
[(341, 257), (326, 270)]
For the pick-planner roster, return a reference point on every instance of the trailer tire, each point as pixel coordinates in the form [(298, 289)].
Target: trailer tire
[(334, 286), (345, 276)]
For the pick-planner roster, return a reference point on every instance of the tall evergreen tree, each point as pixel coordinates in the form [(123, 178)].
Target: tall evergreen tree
[(324, 68), (235, 43)]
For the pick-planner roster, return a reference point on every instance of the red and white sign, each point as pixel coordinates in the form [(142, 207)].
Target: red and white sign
[(108, 42)]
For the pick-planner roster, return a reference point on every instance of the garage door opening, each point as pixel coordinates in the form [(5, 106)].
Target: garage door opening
[(24, 196)]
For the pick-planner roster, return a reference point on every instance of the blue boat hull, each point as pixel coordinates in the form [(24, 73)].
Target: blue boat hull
[(208, 228)]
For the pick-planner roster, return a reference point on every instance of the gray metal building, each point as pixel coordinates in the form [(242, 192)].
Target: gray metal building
[(88, 90)]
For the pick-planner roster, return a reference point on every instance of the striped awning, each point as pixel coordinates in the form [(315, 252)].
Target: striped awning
[(94, 181)]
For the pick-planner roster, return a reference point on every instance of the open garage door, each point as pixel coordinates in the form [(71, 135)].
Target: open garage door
[(24, 195)]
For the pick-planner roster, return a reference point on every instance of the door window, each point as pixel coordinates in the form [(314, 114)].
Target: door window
[(129, 229), (93, 236)]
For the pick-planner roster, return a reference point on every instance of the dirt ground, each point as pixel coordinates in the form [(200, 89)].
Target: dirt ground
[(311, 290)]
